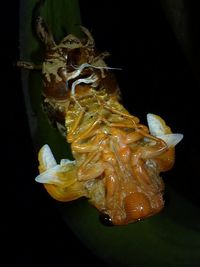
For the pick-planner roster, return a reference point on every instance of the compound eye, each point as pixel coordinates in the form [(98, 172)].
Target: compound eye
[(105, 219), (137, 206)]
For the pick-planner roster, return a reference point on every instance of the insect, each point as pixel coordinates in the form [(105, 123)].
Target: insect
[(117, 160)]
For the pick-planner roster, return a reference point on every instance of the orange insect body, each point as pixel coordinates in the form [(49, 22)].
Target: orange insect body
[(117, 159)]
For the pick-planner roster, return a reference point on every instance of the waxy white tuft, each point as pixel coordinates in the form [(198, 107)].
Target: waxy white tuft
[(50, 176), (47, 157), (171, 139), (52, 171), (157, 128)]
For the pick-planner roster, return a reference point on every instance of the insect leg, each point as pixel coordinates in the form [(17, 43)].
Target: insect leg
[(71, 135), (90, 41), (118, 125), (142, 154), (87, 133), (92, 166), (28, 65), (133, 137), (91, 146), (113, 110), (44, 33), (91, 172)]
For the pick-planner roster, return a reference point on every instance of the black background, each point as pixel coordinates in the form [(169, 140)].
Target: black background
[(156, 78)]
